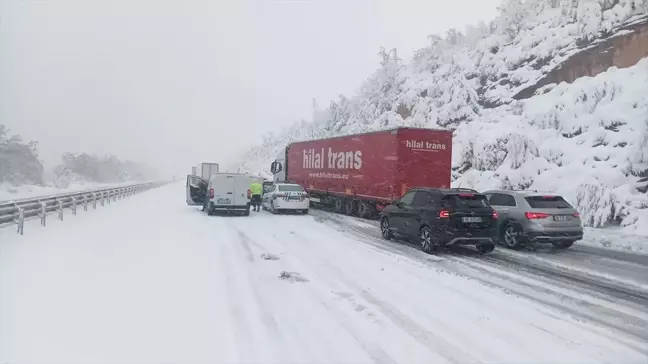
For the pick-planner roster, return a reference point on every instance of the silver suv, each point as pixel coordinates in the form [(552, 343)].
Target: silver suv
[(530, 217)]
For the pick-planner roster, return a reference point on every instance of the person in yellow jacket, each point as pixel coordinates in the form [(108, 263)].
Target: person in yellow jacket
[(256, 189)]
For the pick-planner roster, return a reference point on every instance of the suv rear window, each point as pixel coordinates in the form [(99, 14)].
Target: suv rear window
[(290, 188), (547, 202), (466, 201)]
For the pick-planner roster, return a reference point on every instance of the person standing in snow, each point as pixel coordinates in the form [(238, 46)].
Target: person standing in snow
[(256, 189)]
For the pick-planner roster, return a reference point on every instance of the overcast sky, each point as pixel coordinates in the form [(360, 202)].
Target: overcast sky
[(176, 83)]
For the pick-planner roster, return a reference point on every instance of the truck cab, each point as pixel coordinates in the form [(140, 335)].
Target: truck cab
[(278, 167)]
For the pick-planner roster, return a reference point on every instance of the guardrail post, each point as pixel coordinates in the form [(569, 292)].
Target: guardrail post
[(85, 202), (60, 209), (20, 220), (94, 201), (73, 205), (103, 198), (43, 212), (115, 196)]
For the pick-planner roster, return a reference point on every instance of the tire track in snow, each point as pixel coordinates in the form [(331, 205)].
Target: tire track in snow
[(510, 336), (634, 329), (434, 342), (374, 352), (248, 305)]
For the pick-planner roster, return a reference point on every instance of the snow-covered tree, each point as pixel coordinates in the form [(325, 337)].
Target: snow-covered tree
[(19, 163)]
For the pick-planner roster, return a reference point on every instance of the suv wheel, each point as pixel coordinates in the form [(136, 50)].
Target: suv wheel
[(512, 236), (485, 248), (427, 240), (384, 228), (563, 244)]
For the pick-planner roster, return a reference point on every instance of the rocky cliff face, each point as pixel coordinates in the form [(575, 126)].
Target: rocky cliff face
[(627, 45)]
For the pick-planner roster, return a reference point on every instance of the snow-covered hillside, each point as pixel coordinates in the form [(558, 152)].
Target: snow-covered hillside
[(587, 140)]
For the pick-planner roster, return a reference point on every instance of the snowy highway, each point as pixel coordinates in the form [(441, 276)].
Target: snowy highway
[(151, 280)]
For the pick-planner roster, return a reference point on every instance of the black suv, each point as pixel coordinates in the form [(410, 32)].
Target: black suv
[(442, 218)]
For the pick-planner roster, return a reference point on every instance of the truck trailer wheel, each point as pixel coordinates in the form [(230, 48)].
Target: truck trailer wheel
[(364, 209), (350, 207), (338, 204)]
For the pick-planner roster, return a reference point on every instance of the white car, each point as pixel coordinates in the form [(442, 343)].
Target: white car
[(285, 197)]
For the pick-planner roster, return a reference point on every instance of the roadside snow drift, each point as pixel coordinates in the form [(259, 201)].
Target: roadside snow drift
[(587, 141)]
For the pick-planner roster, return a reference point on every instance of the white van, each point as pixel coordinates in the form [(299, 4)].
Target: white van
[(229, 192), (226, 192)]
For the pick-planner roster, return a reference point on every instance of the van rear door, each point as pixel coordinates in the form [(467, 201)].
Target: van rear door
[(241, 187), (196, 191), (223, 186)]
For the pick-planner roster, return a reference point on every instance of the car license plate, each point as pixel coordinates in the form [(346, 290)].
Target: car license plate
[(562, 218), (223, 201), (471, 219)]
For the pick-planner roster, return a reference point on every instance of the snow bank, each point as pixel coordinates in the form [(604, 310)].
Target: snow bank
[(586, 141), (615, 240), (9, 192)]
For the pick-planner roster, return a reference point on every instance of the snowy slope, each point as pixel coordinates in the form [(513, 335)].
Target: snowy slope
[(587, 140), (173, 285)]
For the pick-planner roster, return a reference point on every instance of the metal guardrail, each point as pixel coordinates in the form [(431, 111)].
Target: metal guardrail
[(17, 211)]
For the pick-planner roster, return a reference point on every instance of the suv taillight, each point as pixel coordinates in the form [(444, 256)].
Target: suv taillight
[(444, 214), (576, 214), (495, 215), (536, 215), (249, 194), (211, 193)]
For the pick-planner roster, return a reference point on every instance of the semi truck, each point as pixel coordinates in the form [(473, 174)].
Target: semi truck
[(205, 170), (360, 174)]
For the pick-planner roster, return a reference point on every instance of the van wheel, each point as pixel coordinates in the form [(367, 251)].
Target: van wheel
[(350, 207), (427, 240), (247, 212), (210, 211), (305, 211), (512, 236), (384, 229)]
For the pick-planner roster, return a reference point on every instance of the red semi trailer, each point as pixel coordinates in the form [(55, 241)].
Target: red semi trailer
[(361, 173)]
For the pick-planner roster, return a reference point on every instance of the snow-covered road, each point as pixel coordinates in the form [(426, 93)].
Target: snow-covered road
[(150, 280)]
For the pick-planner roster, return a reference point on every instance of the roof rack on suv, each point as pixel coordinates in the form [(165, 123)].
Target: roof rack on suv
[(534, 191), (463, 189)]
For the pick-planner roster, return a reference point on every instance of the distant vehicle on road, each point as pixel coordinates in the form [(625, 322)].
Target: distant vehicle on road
[(437, 218), (530, 217), (282, 197), (362, 173), (205, 170)]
